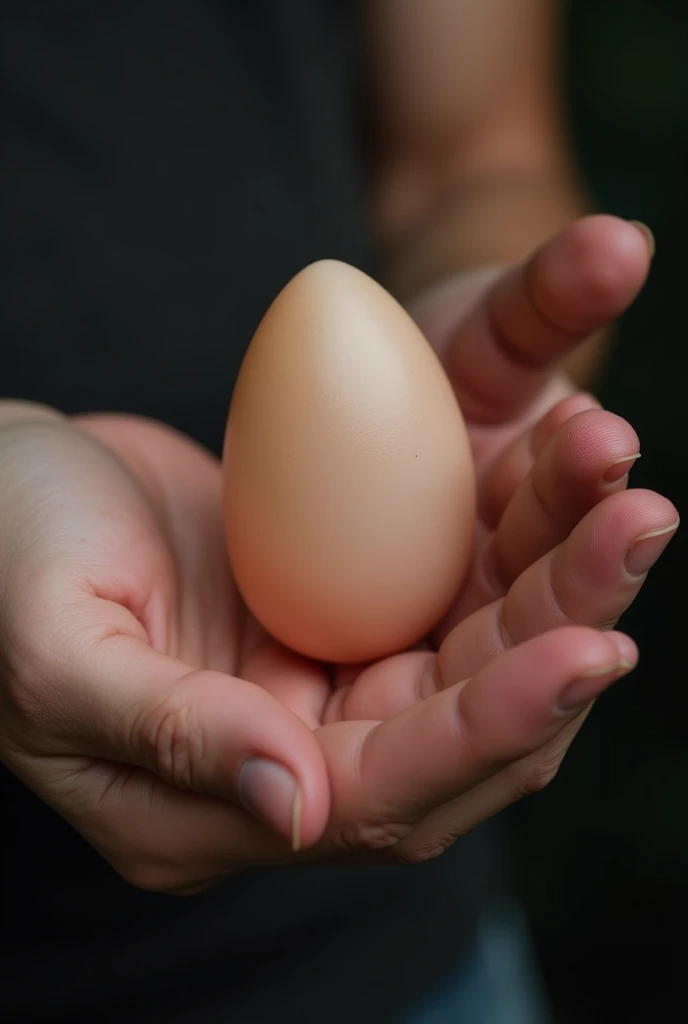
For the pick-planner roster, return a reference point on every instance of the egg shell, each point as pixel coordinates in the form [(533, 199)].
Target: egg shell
[(349, 484)]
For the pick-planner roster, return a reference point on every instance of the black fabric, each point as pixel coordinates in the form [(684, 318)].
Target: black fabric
[(167, 166)]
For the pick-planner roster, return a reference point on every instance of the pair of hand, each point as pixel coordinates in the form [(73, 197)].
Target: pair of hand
[(143, 703)]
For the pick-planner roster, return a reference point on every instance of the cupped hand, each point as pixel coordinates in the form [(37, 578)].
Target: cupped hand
[(551, 465), (144, 704), (559, 539)]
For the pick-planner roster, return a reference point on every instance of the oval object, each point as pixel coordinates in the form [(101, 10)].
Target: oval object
[(349, 483)]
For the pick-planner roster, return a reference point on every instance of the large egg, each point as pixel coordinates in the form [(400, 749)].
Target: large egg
[(349, 484)]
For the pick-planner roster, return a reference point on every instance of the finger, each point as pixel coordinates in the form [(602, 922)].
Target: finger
[(583, 582), (156, 836), (298, 683), (522, 778), (589, 580), (402, 768), (202, 731), (586, 459), (513, 465), (577, 282), (387, 688)]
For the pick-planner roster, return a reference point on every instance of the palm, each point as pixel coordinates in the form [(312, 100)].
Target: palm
[(502, 398), (156, 691), (209, 627), (195, 615), (543, 504), (205, 623)]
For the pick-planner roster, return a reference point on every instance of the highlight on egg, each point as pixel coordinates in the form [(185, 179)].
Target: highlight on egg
[(349, 492)]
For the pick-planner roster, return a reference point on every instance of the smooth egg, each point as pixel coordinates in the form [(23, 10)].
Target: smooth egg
[(349, 483)]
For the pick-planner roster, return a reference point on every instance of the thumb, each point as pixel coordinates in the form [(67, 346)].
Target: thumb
[(203, 731)]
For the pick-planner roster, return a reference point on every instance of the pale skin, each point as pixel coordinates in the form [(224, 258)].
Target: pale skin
[(135, 687)]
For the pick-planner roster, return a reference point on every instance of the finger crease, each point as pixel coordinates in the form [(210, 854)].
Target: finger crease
[(510, 349), (504, 634), (569, 333), (539, 497), (556, 599), (429, 680), (494, 570)]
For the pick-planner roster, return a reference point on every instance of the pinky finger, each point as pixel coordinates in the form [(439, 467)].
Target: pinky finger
[(520, 779)]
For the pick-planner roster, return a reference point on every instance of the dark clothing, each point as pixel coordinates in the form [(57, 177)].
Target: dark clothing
[(168, 166)]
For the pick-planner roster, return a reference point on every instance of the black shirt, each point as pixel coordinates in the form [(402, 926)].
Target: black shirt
[(168, 166)]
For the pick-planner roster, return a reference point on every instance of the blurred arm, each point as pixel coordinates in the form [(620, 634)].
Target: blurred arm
[(472, 163)]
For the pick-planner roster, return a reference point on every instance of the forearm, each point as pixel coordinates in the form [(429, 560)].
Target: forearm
[(473, 163)]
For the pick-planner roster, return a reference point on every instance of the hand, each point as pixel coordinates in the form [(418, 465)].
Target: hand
[(559, 539), (551, 465), (143, 704)]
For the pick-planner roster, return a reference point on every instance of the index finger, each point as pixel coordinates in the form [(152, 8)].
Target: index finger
[(579, 281)]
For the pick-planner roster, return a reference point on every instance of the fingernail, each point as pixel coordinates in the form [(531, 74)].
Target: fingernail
[(590, 685), (618, 469), (271, 793), (647, 548), (652, 245)]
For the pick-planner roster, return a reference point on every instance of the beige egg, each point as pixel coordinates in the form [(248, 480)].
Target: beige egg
[(349, 483)]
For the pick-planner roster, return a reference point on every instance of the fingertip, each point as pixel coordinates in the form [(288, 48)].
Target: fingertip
[(628, 246), (647, 234), (597, 445), (571, 651), (577, 645), (517, 698), (596, 267), (247, 747), (292, 803), (616, 238), (272, 793), (310, 809), (636, 513), (626, 647)]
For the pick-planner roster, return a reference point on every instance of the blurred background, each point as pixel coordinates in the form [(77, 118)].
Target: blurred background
[(602, 856)]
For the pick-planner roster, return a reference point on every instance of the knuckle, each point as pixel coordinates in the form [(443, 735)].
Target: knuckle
[(194, 889), (131, 843), (143, 865), (367, 837), (147, 867), (152, 875), (536, 776), (172, 739), (610, 622), (150, 871), (425, 850)]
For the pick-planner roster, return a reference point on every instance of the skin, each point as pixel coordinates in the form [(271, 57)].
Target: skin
[(135, 686), (472, 163)]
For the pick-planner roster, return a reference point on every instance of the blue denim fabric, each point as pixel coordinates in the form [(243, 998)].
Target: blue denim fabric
[(497, 984)]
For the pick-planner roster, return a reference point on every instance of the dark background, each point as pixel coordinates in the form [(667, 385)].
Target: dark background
[(602, 856)]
